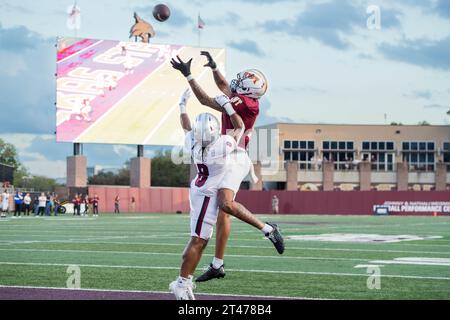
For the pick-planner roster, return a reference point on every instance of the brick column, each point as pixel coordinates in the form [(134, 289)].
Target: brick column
[(291, 176), (402, 176), (328, 175), (440, 177), (140, 172), (76, 171), (365, 176), (259, 185)]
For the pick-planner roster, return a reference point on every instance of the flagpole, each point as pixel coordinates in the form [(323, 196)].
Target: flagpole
[(199, 29)]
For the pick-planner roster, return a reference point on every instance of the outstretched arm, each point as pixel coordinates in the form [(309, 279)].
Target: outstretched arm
[(219, 79), (184, 118), (236, 119), (202, 96)]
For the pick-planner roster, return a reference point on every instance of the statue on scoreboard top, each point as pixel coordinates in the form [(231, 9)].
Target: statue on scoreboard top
[(142, 29)]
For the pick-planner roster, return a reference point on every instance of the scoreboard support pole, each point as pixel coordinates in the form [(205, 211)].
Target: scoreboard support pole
[(140, 170), (77, 168)]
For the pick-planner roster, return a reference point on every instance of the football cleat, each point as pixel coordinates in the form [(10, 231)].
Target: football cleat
[(276, 238), (182, 291), (211, 273)]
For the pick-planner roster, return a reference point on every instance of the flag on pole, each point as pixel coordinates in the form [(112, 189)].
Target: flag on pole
[(201, 24), (74, 18)]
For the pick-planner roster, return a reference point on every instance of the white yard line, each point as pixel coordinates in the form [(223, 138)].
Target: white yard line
[(84, 240), (160, 292), (178, 254), (231, 270)]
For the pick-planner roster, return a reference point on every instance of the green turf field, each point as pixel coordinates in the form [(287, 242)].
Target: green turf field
[(143, 252)]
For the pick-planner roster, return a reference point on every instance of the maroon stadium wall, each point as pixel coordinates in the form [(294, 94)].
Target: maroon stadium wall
[(169, 200), (348, 202)]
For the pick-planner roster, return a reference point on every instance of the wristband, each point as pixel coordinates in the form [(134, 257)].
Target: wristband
[(229, 109), (182, 108), (215, 69), (189, 77)]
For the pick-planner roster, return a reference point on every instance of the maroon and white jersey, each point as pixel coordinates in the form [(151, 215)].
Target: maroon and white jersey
[(212, 162), (247, 108)]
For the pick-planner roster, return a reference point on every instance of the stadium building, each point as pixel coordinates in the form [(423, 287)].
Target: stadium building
[(355, 157)]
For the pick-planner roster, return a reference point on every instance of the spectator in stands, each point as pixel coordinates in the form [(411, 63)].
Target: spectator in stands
[(116, 204), (95, 205), (27, 204), (275, 204), (42, 204), (18, 202), (5, 203)]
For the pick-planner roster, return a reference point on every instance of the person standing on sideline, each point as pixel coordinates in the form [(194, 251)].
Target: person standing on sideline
[(47, 204), (18, 201), (95, 205), (78, 203), (74, 202), (86, 204), (275, 204), (36, 206), (5, 203), (27, 204), (56, 204), (133, 204), (117, 204), (42, 204)]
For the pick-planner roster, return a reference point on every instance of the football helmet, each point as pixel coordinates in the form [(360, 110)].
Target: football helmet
[(206, 129), (251, 83)]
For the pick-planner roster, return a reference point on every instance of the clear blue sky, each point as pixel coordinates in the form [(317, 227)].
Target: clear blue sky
[(322, 62)]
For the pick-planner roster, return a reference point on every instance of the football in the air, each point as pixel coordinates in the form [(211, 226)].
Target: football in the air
[(161, 12)]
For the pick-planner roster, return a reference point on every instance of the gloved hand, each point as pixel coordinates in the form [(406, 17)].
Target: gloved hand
[(211, 63), (185, 97), (183, 67)]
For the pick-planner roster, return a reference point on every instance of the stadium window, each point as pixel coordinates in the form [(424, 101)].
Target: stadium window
[(405, 145), (381, 154), (373, 146), (294, 156), (342, 155), (422, 146), (349, 145), (366, 145), (302, 144), (294, 144), (389, 146), (287, 144), (420, 155), (311, 145), (287, 156), (446, 155)]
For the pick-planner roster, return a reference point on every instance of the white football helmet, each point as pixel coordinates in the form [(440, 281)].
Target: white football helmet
[(251, 83), (206, 129)]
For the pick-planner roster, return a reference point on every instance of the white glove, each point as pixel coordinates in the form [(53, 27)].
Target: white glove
[(224, 102), (184, 99)]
